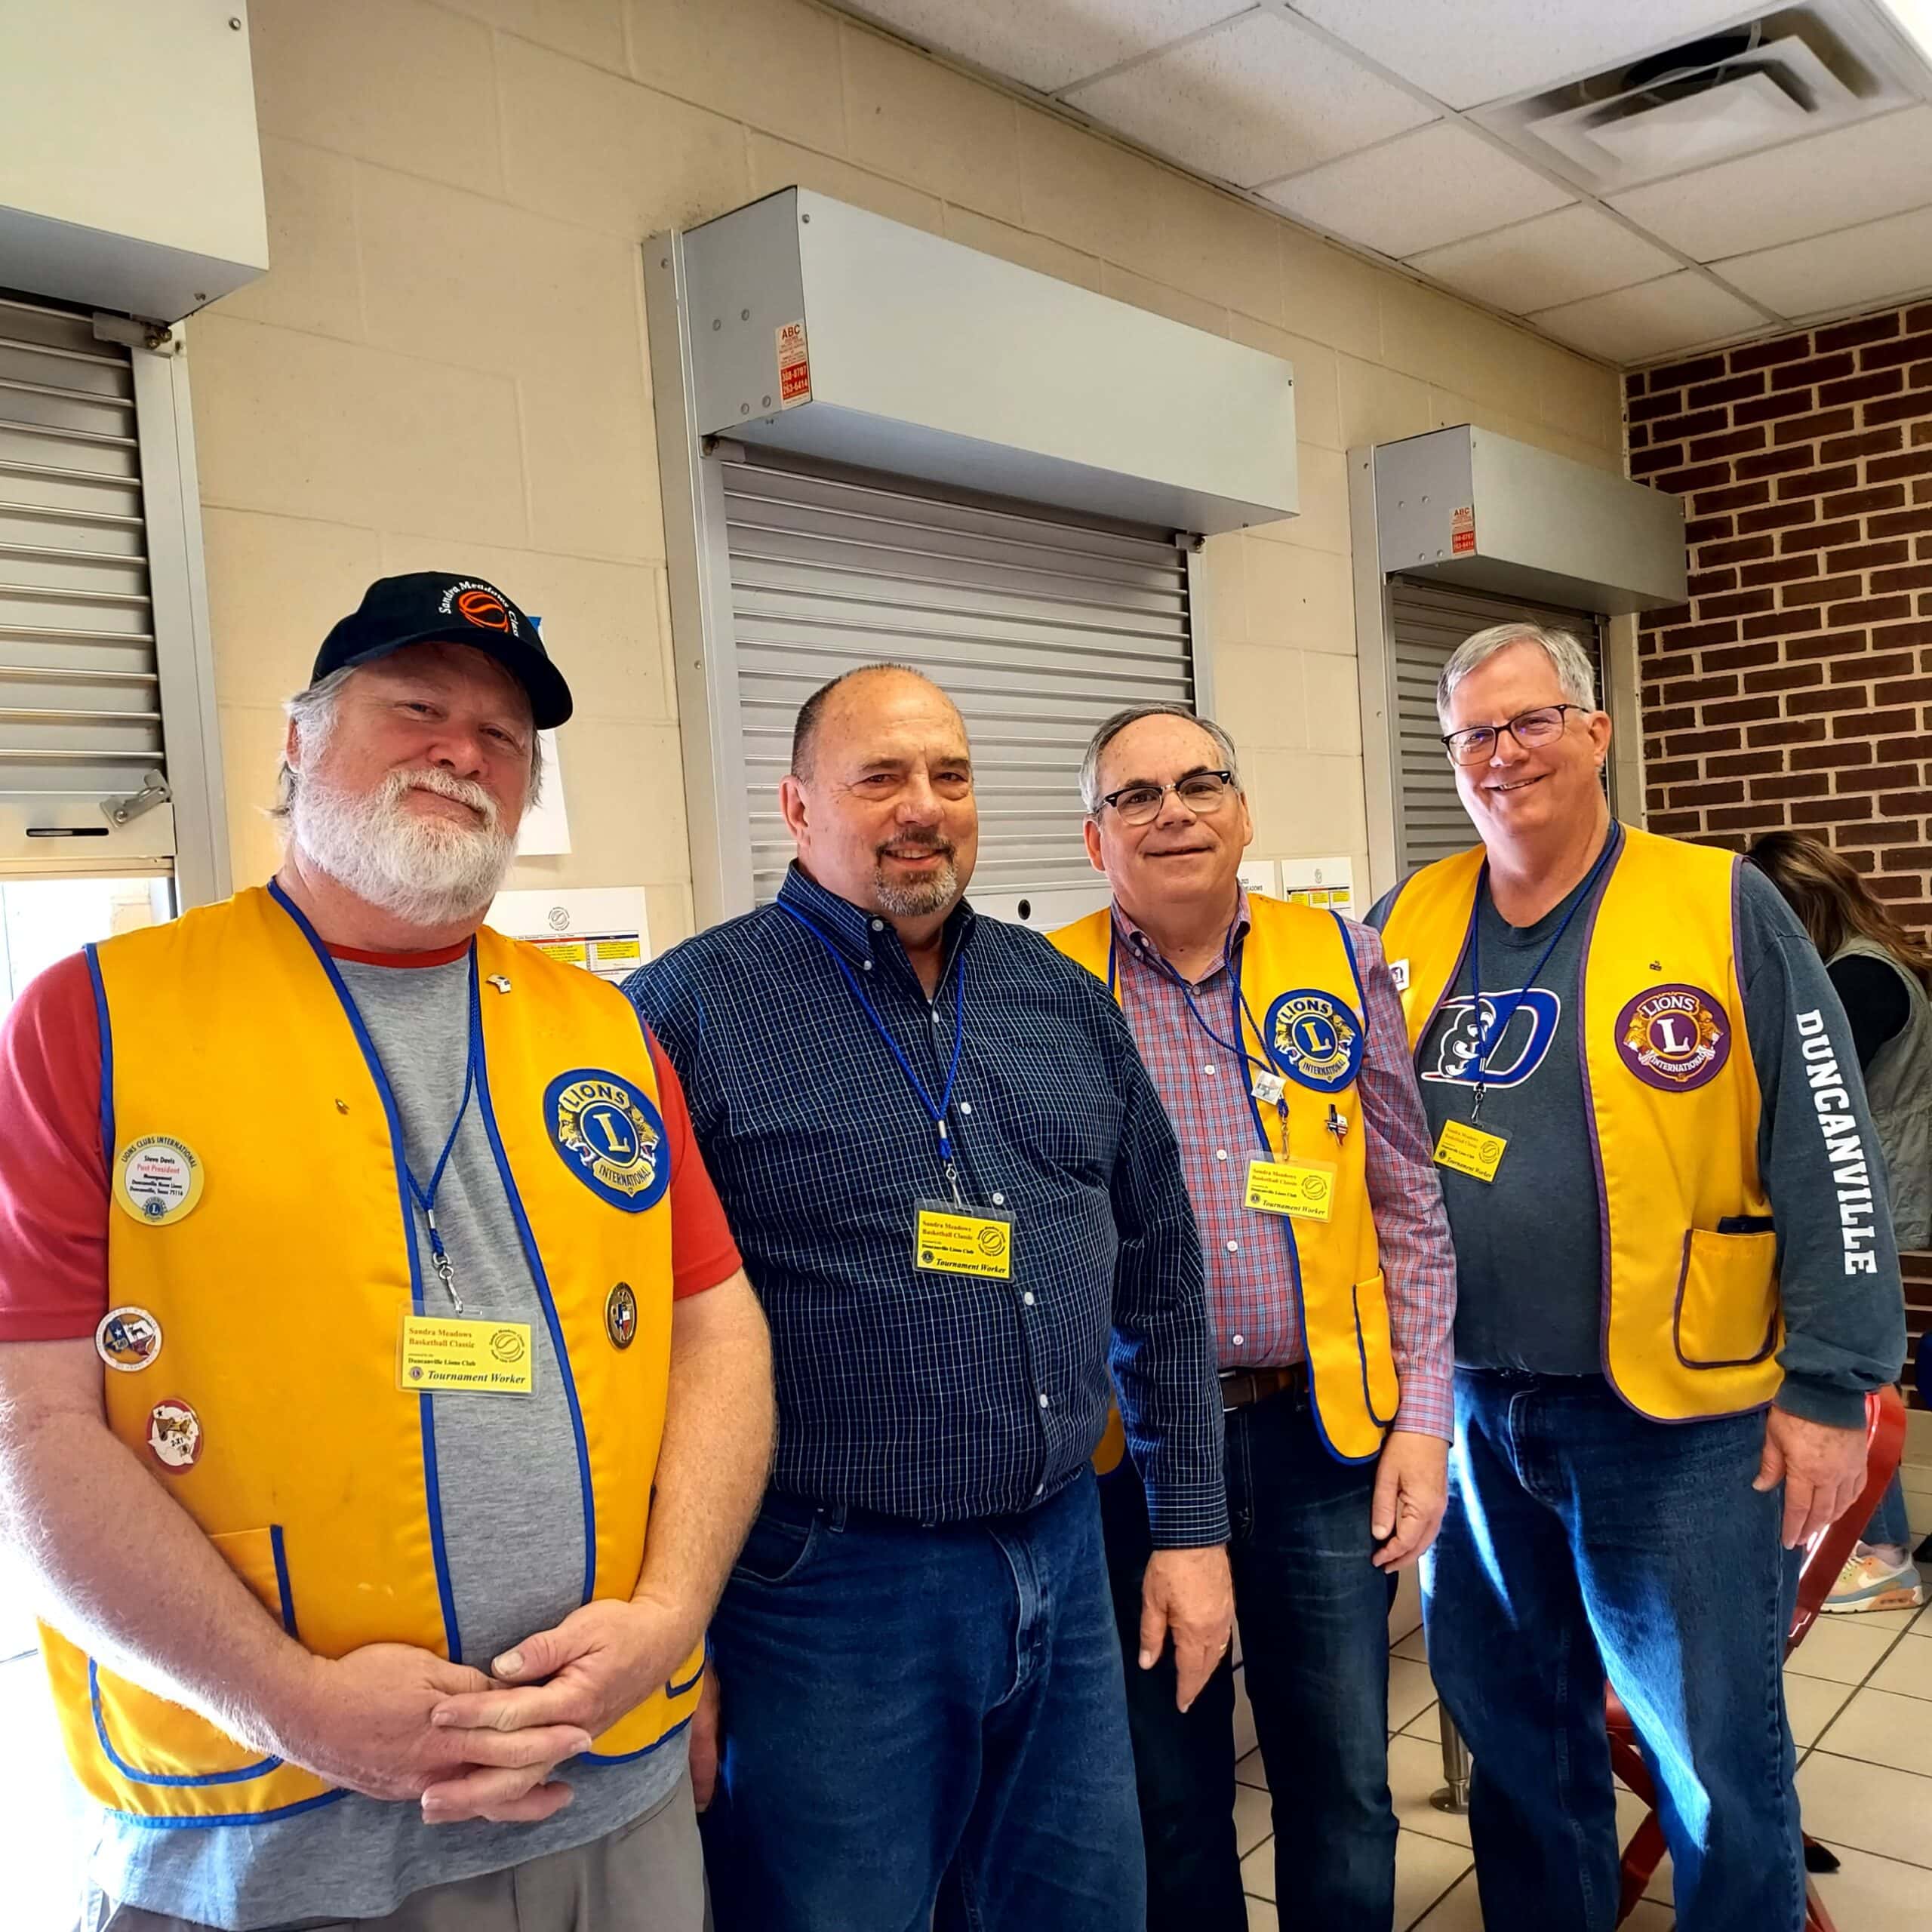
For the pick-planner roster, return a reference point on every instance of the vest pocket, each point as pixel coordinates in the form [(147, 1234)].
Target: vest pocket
[(1726, 1315), (1381, 1392), (151, 1740)]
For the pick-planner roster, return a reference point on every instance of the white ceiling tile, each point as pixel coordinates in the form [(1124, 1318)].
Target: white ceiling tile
[(1838, 273), (1252, 101), (1420, 191), (1804, 188), (1561, 257), (1044, 47), (1631, 324), (1466, 52)]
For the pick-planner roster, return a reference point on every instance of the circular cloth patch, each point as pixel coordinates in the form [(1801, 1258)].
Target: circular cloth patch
[(1676, 1038)]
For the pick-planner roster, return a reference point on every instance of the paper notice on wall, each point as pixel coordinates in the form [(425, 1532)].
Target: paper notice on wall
[(546, 830), (1328, 883), (795, 368), (602, 929)]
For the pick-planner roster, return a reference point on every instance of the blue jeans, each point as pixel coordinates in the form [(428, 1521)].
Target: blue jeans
[(1583, 1540), (923, 1727), (1314, 1614), (1889, 1524)]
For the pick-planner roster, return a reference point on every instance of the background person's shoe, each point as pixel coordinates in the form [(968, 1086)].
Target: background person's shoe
[(1869, 1583)]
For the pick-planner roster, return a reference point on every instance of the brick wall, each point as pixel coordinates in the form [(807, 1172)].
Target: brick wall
[(1795, 687)]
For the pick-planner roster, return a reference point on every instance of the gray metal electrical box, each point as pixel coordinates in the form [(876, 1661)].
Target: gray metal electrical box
[(1474, 508), (823, 329)]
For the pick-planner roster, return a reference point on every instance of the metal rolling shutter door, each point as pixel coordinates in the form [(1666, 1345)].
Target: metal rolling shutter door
[(1038, 626), (80, 712), (1427, 623)]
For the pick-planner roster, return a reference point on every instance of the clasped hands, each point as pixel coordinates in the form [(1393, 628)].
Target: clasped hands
[(393, 1721)]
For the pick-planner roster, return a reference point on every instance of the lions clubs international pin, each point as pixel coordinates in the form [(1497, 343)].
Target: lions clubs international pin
[(621, 1315), (174, 1436)]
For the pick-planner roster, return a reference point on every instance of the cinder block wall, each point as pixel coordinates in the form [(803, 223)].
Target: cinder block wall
[(445, 365), (1795, 687)]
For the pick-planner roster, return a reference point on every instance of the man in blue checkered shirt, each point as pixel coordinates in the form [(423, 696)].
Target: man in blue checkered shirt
[(957, 1195)]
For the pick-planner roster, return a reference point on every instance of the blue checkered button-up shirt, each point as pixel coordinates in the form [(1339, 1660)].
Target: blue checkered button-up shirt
[(944, 1398)]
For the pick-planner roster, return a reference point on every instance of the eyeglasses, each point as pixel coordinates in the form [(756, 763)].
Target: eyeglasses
[(1542, 726), (1204, 793)]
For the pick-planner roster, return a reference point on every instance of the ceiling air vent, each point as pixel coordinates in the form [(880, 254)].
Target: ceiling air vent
[(1796, 72)]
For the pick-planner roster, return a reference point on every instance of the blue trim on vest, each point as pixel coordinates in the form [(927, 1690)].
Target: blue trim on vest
[(242, 1774), (431, 1487), (590, 1761), (282, 1589), (695, 1677), (525, 1234), (154, 1824), (106, 1061)]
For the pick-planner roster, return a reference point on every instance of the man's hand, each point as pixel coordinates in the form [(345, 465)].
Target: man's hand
[(1822, 1467), (1188, 1593), (705, 1730), (582, 1676), (1411, 1489), (365, 1722)]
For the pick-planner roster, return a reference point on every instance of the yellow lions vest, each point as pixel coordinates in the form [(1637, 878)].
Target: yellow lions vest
[(233, 1064), (1299, 982), (1691, 1325)]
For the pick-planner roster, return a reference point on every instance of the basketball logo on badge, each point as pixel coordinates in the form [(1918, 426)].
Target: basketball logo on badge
[(609, 1135), (174, 1436), (158, 1179), (127, 1339), (1315, 1040), (621, 1315), (1675, 1038)]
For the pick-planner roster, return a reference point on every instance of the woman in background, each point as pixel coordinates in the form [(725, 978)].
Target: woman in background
[(1880, 972)]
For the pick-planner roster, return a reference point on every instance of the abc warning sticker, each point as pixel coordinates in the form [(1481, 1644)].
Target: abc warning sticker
[(158, 1179), (795, 368), (1462, 532)]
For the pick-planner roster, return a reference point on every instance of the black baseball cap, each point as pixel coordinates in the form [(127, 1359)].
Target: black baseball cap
[(433, 607)]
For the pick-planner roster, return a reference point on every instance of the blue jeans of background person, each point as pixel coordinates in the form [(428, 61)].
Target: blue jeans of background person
[(920, 1720), (1313, 1615), (1583, 1540), (1889, 1524)]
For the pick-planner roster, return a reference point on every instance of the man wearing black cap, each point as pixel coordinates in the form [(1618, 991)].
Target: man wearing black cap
[(382, 1402)]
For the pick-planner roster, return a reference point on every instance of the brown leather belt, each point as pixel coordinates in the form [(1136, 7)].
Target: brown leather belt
[(1241, 1387)]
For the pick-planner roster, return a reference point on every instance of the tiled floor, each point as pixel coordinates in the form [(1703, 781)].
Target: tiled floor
[(1860, 1690)]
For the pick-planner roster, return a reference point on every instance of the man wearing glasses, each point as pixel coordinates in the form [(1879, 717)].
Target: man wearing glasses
[(1274, 1034), (1676, 1283)]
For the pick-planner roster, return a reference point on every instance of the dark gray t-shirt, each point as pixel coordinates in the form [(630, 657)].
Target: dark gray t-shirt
[(512, 1511), (1529, 1243)]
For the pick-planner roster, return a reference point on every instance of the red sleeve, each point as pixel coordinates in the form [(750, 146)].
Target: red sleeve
[(702, 1252), (53, 1168)]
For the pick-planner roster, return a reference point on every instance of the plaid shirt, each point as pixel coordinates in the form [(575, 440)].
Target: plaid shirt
[(944, 1398), (1250, 1290)]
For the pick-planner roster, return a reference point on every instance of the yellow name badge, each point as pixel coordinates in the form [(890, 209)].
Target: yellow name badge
[(441, 1353), (1304, 1188), (1469, 1150), (952, 1240)]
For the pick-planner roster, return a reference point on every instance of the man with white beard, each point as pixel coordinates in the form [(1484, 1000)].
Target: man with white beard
[(382, 1401)]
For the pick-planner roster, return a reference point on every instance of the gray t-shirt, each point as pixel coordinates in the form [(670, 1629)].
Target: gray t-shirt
[(512, 1513), (1529, 1245)]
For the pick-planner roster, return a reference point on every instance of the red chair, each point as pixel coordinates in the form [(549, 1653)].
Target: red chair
[(1824, 1557)]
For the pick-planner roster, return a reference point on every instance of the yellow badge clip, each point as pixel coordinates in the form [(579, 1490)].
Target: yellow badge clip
[(1470, 1150), (952, 1240), (444, 1354), (1305, 1189)]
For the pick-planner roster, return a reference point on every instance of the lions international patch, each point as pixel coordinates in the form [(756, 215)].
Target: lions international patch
[(1675, 1038), (610, 1135), (1315, 1040)]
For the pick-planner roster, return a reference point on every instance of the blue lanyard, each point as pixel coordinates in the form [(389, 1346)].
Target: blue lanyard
[(1230, 964), (1487, 1036), (937, 1110), (426, 1198)]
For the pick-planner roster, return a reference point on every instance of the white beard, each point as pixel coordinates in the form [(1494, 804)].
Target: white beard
[(426, 872)]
